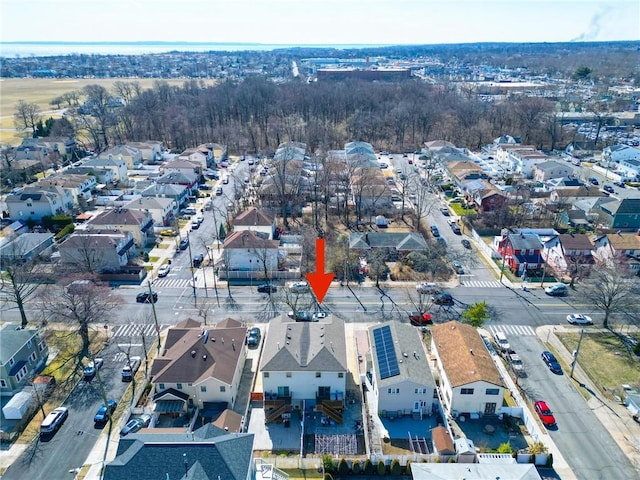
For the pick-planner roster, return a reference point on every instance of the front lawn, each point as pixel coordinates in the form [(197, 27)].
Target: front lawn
[(605, 359)]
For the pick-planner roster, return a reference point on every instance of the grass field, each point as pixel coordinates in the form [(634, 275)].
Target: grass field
[(41, 91), (605, 360)]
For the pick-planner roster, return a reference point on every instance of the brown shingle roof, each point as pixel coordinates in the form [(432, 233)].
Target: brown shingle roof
[(249, 239), (463, 354), (575, 241), (442, 441), (253, 217), (189, 359), (624, 241)]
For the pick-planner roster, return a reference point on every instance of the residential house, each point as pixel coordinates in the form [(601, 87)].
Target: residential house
[(216, 151), (401, 382), (480, 471), (547, 170), (138, 222), (567, 253), (618, 153), (484, 195), (64, 146), (465, 170), (33, 149), (23, 353), (521, 252), (177, 193), (520, 158), (208, 453), (129, 155), (620, 214), (103, 175), (187, 180), (163, 210), (371, 193), (80, 186), (614, 246), (150, 150), (256, 220), (629, 168), (199, 159), (117, 165), (94, 250), (469, 379), (25, 247), (391, 242), (199, 364), (304, 364), (187, 167), (249, 251), (37, 201)]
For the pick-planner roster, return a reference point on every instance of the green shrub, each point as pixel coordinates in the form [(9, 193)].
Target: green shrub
[(636, 349), (396, 468), (356, 468), (343, 468), (452, 460), (328, 463), (505, 448), (408, 468), (65, 231), (382, 468), (328, 476), (368, 467)]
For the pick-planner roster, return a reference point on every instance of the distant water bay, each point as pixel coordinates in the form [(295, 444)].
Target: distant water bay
[(45, 49)]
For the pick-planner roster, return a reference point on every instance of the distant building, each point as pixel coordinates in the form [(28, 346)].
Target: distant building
[(370, 75)]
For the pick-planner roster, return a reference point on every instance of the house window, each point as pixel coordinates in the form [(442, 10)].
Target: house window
[(32, 357), (22, 373), (3, 383), (340, 375), (203, 388), (492, 391), (466, 391), (393, 391), (223, 388), (29, 343), (288, 374), (41, 346), (318, 374), (265, 374), (421, 391), (435, 393), (12, 361), (161, 386), (179, 386)]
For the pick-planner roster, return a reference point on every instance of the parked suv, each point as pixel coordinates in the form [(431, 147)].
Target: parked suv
[(299, 287), (54, 420), (557, 290), (130, 368)]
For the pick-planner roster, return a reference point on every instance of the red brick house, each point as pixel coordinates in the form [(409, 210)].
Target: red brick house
[(522, 252)]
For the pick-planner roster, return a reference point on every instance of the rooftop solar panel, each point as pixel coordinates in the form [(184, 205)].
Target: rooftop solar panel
[(385, 352)]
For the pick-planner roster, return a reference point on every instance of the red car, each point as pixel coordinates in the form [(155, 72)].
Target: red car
[(544, 412)]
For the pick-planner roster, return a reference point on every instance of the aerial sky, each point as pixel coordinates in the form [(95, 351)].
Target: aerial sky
[(308, 22)]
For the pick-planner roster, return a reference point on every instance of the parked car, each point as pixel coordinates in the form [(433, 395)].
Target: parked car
[(253, 337), (427, 288), (92, 367), (163, 271), (579, 319), (434, 231), (594, 181), (544, 412), (225, 179), (620, 184), (103, 413), (184, 243), (197, 260), (132, 426), (557, 290), (147, 297), (443, 299), (299, 287), (466, 243), (54, 420), (267, 288), (169, 232), (608, 188), (420, 319), (516, 362), (218, 191), (319, 316), (444, 211), (300, 316), (457, 268), (551, 361), (204, 186), (130, 368)]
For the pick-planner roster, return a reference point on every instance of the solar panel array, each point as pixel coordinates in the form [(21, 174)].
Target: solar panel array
[(385, 352)]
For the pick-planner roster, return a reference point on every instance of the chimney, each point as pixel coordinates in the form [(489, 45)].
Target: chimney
[(471, 351), (233, 344), (193, 354), (204, 358)]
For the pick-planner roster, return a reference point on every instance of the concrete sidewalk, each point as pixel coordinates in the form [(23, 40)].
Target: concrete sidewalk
[(614, 416)]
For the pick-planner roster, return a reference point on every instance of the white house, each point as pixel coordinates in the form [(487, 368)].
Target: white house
[(619, 152), (248, 251), (118, 165), (564, 252), (81, 186), (547, 170), (130, 155), (520, 158), (402, 383), (200, 364), (304, 362), (37, 201), (629, 168), (470, 381), (161, 209)]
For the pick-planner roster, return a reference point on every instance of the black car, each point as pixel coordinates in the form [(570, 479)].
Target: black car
[(444, 211), (466, 243), (253, 337), (594, 181), (266, 288), (608, 188), (205, 187), (443, 299), (550, 359), (184, 243), (197, 260), (434, 231), (146, 297), (300, 316)]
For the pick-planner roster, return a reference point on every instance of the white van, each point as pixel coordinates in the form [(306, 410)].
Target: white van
[(54, 420), (501, 340)]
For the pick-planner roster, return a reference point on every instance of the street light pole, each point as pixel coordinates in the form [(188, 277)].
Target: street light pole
[(575, 354), (193, 278), (155, 316), (214, 270)]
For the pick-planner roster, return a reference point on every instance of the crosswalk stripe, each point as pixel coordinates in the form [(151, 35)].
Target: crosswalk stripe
[(172, 283), (134, 330), (481, 284), (523, 330)]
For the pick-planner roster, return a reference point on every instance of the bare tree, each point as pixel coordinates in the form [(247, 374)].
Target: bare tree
[(79, 301), (613, 291), (27, 116)]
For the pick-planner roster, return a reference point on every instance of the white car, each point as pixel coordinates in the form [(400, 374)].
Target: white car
[(319, 316), (427, 288), (299, 287), (163, 271), (579, 319)]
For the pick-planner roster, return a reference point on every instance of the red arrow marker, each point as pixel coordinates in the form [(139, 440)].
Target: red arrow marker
[(320, 281)]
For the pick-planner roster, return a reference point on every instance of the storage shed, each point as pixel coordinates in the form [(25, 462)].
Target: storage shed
[(17, 406)]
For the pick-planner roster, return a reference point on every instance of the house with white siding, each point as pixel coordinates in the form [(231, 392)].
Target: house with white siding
[(469, 379), (402, 384), (304, 364)]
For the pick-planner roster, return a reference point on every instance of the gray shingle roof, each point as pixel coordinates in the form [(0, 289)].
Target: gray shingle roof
[(398, 240), (305, 346), (12, 340)]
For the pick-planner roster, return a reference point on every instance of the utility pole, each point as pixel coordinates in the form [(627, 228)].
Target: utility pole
[(155, 316), (575, 354), (193, 277)]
